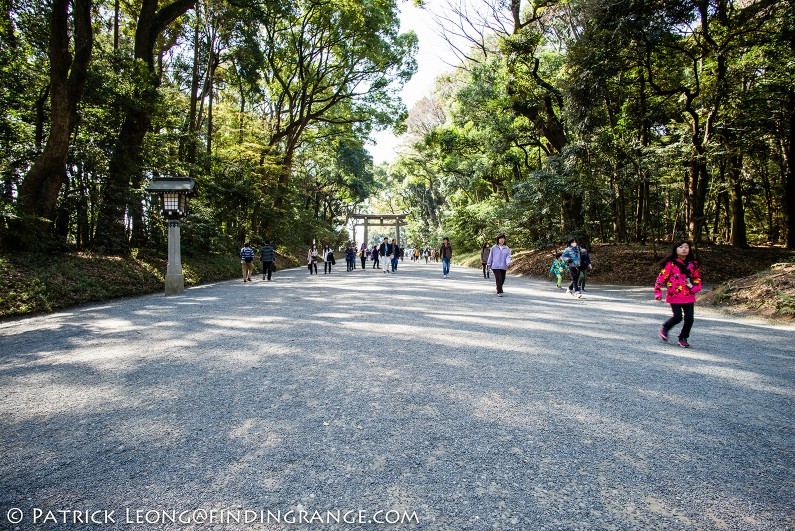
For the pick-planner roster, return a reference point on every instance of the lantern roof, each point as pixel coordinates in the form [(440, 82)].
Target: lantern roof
[(183, 185)]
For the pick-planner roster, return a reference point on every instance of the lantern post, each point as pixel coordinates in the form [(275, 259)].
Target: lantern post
[(174, 193)]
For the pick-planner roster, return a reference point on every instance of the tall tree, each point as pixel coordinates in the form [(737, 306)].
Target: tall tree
[(333, 63), (124, 165), (38, 193)]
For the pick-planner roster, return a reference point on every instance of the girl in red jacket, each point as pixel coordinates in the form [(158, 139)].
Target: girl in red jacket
[(682, 281)]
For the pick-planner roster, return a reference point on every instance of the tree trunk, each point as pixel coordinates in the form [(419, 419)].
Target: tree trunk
[(116, 26), (789, 185), (619, 210), (40, 117), (642, 207), (194, 97), (39, 190), (125, 161), (738, 231), (716, 219), (82, 233), (696, 185), (210, 89)]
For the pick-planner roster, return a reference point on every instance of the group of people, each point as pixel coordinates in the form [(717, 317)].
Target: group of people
[(429, 254), (577, 262), (679, 275), (267, 255)]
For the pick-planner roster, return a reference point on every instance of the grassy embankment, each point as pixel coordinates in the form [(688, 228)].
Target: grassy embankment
[(759, 281), (33, 282)]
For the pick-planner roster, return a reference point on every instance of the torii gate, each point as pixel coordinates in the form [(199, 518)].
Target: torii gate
[(379, 220)]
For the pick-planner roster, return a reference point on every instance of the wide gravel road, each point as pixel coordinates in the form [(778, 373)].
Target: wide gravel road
[(365, 397)]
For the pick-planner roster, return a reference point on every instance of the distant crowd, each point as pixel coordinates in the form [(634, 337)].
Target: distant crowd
[(679, 275)]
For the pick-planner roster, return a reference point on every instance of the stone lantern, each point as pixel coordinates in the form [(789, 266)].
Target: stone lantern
[(174, 193)]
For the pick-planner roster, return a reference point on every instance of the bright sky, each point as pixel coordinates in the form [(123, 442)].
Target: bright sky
[(433, 51)]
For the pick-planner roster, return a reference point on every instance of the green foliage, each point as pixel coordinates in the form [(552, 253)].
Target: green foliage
[(589, 120), (222, 100)]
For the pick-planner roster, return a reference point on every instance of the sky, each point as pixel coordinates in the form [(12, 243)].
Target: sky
[(433, 51)]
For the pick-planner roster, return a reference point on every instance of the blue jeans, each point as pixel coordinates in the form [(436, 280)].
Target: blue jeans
[(445, 266), (394, 264)]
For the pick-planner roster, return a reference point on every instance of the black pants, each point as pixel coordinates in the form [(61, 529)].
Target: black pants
[(311, 266), (364, 261), (574, 271), (327, 266), (266, 270), (499, 276), (678, 309), (375, 262), (485, 270)]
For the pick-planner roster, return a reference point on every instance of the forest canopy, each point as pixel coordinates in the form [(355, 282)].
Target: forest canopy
[(613, 121), (266, 105)]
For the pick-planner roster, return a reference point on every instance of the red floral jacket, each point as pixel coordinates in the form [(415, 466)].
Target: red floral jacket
[(676, 283)]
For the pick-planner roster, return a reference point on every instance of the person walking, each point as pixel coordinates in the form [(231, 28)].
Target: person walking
[(374, 256), (396, 253), (585, 266), (571, 256), (311, 259), (446, 254), (558, 269), (267, 255), (498, 261), (681, 279), (247, 261), (328, 259), (363, 256), (484, 258), (385, 254), (350, 257)]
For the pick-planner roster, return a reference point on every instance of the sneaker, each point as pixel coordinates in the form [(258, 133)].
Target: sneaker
[(663, 334), (579, 295), (683, 343), (499, 294), (568, 291)]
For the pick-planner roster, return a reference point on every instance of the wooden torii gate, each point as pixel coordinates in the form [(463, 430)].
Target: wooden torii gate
[(379, 220)]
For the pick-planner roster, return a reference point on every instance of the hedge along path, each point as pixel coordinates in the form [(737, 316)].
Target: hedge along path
[(407, 393)]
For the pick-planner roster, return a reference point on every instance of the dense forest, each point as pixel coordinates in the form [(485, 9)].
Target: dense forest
[(266, 105), (614, 121)]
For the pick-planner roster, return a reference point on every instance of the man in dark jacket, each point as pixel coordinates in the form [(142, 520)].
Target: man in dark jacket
[(446, 254), (267, 256)]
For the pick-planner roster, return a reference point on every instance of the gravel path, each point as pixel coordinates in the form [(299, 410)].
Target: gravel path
[(403, 393)]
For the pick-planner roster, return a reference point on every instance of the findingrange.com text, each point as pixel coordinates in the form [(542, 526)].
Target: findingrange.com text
[(43, 517)]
